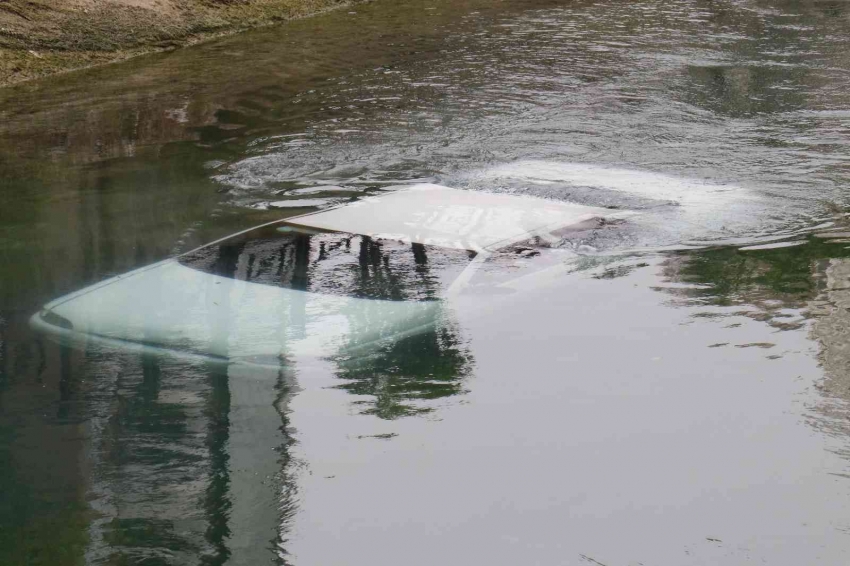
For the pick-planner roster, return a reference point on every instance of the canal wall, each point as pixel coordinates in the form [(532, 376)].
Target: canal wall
[(43, 37)]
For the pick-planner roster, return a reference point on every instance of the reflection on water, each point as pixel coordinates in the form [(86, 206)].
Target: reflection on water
[(335, 264), (831, 330), (767, 280), (425, 366), (188, 460), (405, 377), (141, 458), (166, 484), (800, 287)]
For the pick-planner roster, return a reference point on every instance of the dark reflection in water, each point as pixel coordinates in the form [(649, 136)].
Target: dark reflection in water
[(788, 276), (401, 376), (166, 485), (337, 264)]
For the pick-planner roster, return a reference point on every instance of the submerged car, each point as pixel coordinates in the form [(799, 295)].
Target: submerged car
[(340, 279)]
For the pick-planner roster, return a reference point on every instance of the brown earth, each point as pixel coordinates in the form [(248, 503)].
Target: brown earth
[(42, 37)]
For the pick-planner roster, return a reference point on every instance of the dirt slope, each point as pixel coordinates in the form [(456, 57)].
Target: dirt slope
[(40, 37)]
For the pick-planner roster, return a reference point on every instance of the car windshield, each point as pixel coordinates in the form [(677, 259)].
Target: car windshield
[(333, 263)]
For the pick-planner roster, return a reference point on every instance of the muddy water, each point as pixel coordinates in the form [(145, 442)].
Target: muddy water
[(676, 395)]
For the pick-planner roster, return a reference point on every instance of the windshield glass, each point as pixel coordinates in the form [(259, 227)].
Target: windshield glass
[(332, 263)]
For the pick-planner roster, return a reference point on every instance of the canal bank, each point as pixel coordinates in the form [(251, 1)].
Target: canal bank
[(52, 36)]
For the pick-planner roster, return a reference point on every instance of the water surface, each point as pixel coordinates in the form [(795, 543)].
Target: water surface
[(673, 392)]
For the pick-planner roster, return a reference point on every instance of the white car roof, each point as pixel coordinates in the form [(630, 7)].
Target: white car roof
[(451, 218)]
